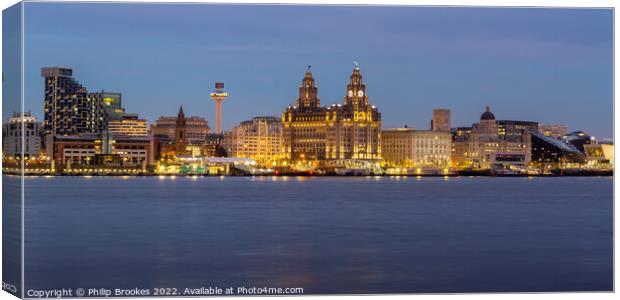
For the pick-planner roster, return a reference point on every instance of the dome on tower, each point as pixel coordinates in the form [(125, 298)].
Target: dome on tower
[(308, 80), (487, 115)]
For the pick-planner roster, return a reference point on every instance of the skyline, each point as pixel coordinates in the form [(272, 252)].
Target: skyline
[(553, 59)]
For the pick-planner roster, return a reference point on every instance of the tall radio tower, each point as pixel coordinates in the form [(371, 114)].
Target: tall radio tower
[(219, 95)]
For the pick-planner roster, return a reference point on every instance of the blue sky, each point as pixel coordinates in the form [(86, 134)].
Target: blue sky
[(546, 65)]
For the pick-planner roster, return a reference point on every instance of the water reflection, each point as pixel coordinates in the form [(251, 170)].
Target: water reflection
[(325, 234)]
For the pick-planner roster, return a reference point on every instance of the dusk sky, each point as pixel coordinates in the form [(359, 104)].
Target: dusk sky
[(545, 65)]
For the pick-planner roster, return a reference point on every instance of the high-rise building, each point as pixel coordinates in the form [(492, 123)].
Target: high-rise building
[(12, 136), (493, 144), (441, 120), (110, 105), (407, 147), (259, 139), (349, 131), (68, 109), (128, 124)]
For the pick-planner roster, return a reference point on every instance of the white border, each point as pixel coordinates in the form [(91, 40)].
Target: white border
[(503, 3), (23, 189)]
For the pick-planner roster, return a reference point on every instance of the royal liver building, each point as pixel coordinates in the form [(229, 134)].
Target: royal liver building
[(314, 134)]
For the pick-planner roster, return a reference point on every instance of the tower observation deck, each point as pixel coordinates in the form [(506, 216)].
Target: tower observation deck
[(219, 95)]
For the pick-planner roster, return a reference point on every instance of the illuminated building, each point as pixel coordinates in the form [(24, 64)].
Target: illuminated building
[(108, 105), (197, 128), (179, 136), (175, 145), (553, 130), (84, 149), (600, 155), (407, 147), (68, 110), (213, 146), (441, 120), (12, 136), (114, 117), (313, 133), (493, 144), (512, 130), (259, 139), (579, 139), (234, 166), (128, 124), (219, 95), (553, 153)]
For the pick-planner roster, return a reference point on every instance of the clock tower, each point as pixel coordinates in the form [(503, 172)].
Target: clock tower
[(312, 135), (356, 90)]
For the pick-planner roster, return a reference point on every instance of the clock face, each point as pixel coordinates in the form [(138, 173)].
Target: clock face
[(350, 93), (360, 93)]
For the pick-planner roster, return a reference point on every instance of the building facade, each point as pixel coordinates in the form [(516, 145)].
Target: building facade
[(579, 139), (259, 139), (441, 120), (313, 133), (213, 146), (84, 149), (68, 109), (553, 130), (128, 124), (197, 128), (408, 148), (599, 155), (108, 105), (181, 136), (513, 130), (552, 153), (12, 136), (490, 143)]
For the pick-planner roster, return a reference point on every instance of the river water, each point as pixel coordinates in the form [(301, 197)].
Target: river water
[(323, 234)]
